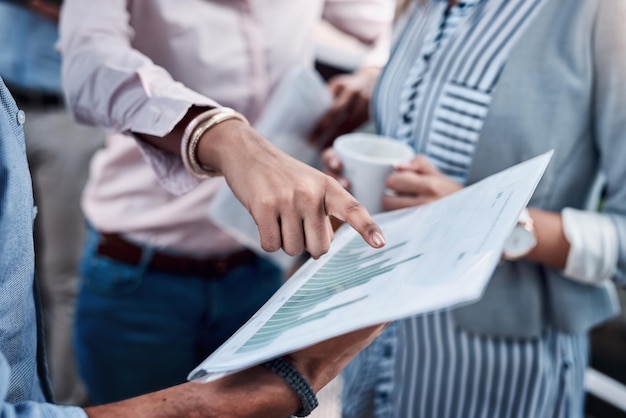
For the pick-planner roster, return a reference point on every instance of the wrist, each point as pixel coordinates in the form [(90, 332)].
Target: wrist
[(223, 145), (318, 370), (523, 239), (552, 246), (200, 163), (297, 382)]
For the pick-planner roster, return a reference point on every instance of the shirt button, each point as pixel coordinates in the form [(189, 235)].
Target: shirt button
[(21, 117)]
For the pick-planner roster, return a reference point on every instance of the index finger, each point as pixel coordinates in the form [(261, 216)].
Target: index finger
[(342, 205)]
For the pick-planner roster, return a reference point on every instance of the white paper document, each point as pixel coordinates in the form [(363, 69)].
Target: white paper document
[(290, 115), (437, 256)]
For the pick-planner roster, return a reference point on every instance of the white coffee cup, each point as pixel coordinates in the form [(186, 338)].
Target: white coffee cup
[(367, 161)]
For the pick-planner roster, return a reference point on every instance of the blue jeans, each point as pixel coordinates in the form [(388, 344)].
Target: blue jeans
[(139, 330)]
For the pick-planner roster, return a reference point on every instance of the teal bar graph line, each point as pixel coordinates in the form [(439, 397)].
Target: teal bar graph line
[(349, 268)]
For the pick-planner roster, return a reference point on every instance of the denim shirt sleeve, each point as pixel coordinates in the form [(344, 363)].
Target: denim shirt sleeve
[(22, 380), (30, 409)]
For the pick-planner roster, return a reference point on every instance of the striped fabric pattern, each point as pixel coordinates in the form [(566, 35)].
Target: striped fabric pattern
[(425, 367), (454, 371), (439, 100)]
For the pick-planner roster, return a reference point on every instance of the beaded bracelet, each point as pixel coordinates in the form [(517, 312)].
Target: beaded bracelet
[(194, 132), (294, 379)]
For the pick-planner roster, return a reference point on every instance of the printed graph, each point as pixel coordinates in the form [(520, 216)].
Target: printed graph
[(354, 265)]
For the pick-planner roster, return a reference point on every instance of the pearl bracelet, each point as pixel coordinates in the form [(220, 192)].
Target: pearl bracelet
[(194, 132)]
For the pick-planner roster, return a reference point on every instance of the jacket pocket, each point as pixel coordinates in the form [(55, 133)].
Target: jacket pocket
[(458, 121)]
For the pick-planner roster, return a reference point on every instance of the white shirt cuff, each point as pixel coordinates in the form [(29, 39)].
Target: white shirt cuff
[(169, 169), (593, 253)]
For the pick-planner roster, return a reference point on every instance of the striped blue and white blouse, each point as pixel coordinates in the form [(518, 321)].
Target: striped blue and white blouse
[(435, 94), (436, 90)]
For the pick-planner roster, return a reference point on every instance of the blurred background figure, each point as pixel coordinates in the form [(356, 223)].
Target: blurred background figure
[(477, 86), (58, 151), (162, 286)]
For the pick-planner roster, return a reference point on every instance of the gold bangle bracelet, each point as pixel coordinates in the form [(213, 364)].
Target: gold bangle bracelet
[(194, 132), (184, 144)]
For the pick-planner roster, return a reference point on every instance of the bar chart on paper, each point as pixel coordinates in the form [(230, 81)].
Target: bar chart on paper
[(437, 256), (349, 268)]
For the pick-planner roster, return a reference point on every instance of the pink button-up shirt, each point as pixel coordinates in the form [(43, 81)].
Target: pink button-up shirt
[(138, 65)]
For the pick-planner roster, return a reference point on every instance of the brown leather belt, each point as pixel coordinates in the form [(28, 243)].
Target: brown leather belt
[(116, 247)]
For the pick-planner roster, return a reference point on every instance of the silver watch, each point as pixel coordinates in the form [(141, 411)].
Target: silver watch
[(523, 238)]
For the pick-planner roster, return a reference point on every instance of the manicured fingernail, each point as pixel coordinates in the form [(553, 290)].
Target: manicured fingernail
[(378, 239)]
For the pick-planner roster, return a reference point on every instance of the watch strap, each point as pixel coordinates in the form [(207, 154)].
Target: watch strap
[(525, 222)]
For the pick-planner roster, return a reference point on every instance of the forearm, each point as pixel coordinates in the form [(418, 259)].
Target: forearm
[(170, 142), (552, 246), (251, 393), (256, 392), (229, 140), (583, 245), (370, 21), (367, 20), (290, 201)]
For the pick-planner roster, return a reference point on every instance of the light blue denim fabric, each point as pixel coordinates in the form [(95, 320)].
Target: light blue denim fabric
[(28, 58), (23, 386), (139, 330), (370, 379)]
